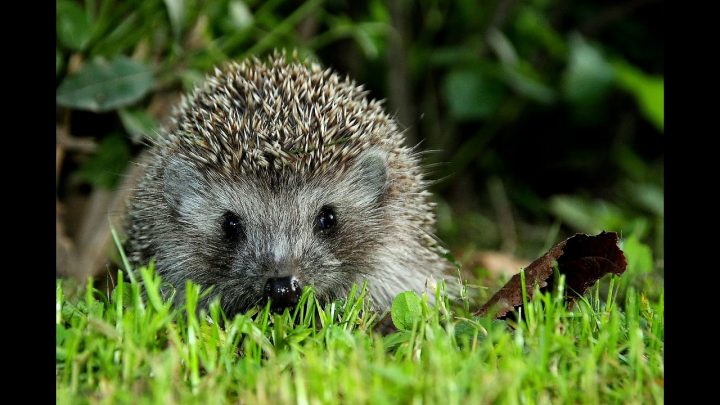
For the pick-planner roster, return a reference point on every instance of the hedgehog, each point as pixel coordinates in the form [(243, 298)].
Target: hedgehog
[(277, 174)]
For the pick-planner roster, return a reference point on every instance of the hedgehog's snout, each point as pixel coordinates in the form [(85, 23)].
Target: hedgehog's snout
[(283, 292)]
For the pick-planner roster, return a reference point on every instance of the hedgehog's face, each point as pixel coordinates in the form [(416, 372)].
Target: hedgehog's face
[(253, 239)]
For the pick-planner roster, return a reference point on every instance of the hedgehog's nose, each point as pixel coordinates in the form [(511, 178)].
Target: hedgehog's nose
[(283, 292)]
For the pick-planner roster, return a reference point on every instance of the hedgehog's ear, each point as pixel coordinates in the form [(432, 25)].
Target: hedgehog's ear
[(183, 185), (369, 174)]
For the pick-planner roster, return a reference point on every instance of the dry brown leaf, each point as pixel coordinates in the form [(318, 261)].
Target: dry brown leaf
[(583, 259)]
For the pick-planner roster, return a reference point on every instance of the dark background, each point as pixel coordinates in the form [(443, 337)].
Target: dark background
[(543, 118)]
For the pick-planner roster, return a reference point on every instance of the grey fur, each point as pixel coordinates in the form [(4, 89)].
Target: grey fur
[(273, 142)]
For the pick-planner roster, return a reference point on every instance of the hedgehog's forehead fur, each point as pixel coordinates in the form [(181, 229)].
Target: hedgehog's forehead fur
[(279, 116)]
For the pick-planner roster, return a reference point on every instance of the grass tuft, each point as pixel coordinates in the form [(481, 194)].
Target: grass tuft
[(129, 349)]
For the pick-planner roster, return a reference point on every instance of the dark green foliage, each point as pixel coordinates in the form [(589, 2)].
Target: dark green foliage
[(106, 167), (553, 98), (471, 94)]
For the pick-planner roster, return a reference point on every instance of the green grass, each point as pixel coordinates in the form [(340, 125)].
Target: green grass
[(123, 349)]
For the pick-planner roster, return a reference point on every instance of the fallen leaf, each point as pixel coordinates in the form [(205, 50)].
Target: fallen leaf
[(583, 259)]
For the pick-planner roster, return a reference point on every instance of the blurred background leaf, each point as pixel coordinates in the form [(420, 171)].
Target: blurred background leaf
[(588, 76), (649, 91), (176, 12), (105, 86), (470, 94), (138, 123), (74, 27)]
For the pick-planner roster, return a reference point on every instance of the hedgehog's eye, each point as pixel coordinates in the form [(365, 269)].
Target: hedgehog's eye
[(326, 218), (231, 226)]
